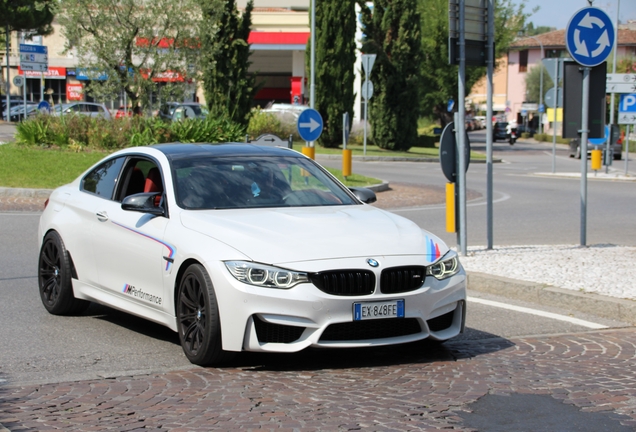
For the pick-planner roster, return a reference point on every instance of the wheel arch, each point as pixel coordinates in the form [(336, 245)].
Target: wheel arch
[(177, 281), (70, 255)]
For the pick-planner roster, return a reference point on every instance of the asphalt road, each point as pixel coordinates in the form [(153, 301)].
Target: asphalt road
[(509, 371), (528, 208), (38, 347)]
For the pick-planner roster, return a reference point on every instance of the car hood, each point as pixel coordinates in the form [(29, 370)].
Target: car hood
[(281, 235)]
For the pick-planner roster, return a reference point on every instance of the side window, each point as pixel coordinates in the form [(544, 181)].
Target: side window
[(140, 175), (103, 179)]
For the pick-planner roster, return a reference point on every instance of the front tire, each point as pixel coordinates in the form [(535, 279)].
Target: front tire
[(54, 278), (198, 320)]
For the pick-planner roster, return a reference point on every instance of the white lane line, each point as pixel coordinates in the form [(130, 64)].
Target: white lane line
[(550, 315), (477, 202)]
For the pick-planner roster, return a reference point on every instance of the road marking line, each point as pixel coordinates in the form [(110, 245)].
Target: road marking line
[(540, 313)]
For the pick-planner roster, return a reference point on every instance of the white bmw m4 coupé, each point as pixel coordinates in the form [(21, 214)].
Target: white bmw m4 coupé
[(239, 247)]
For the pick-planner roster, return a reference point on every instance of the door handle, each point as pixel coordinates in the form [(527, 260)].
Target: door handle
[(102, 216)]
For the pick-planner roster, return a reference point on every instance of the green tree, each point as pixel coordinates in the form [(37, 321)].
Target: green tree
[(393, 33), (439, 83), (133, 42), (531, 30), (33, 16), (229, 87), (533, 83), (335, 58)]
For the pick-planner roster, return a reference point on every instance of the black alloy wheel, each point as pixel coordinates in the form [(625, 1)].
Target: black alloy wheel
[(54, 278), (198, 319)]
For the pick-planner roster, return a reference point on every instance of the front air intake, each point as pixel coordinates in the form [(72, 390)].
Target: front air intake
[(345, 282)]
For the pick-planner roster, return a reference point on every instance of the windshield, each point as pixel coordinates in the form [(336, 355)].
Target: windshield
[(248, 182)]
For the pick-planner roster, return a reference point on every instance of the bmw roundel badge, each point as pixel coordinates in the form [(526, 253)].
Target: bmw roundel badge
[(372, 262)]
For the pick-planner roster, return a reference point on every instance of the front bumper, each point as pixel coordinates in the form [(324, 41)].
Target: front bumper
[(277, 320)]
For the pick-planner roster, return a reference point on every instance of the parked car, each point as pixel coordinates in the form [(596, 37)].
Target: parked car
[(17, 111), (283, 109), (171, 111), (82, 108), (575, 149), (190, 110), (500, 131), (481, 121), (166, 110), (123, 111), (13, 100), (216, 243)]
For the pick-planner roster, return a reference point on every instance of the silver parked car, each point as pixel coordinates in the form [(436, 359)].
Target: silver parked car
[(91, 109)]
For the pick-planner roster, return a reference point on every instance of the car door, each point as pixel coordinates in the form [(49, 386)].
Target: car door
[(128, 245), (96, 189)]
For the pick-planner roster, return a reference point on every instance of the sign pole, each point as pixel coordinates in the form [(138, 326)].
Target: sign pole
[(626, 148), (366, 120), (24, 86), (589, 38), (489, 91), (585, 106), (459, 126), (556, 104), (8, 87)]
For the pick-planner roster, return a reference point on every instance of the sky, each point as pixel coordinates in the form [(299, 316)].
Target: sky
[(557, 13)]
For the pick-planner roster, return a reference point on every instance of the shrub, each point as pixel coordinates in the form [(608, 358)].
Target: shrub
[(543, 137), (81, 132)]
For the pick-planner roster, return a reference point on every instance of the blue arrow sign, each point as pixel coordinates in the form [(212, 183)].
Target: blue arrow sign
[(309, 124), (599, 141), (589, 36)]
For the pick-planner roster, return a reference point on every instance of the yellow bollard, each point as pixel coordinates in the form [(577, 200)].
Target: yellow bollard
[(597, 156), (346, 163), (310, 152), (450, 208)]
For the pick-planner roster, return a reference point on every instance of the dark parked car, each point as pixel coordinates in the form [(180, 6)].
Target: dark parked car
[(575, 149), (501, 131)]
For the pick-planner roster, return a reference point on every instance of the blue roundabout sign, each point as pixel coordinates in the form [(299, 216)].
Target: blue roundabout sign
[(589, 36)]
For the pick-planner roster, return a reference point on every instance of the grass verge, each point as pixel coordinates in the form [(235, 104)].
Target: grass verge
[(29, 167), (373, 151), (37, 168)]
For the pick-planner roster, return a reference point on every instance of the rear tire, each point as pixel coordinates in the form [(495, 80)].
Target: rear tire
[(198, 320), (54, 278)]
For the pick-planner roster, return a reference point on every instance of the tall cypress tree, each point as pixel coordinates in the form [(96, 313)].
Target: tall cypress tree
[(393, 32), (229, 87), (335, 57)]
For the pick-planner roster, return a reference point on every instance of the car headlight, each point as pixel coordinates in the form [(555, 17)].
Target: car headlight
[(265, 276), (447, 266)]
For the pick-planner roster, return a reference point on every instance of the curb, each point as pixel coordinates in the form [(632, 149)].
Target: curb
[(395, 159), (547, 295), (25, 193)]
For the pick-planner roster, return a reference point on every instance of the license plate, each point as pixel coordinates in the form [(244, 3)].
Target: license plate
[(376, 310)]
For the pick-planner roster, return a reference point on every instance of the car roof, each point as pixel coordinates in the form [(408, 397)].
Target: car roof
[(175, 151)]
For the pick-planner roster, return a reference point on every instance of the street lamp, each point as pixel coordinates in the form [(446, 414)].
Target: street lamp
[(540, 82)]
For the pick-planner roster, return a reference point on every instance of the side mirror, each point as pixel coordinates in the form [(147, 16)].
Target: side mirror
[(143, 203), (365, 195)]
